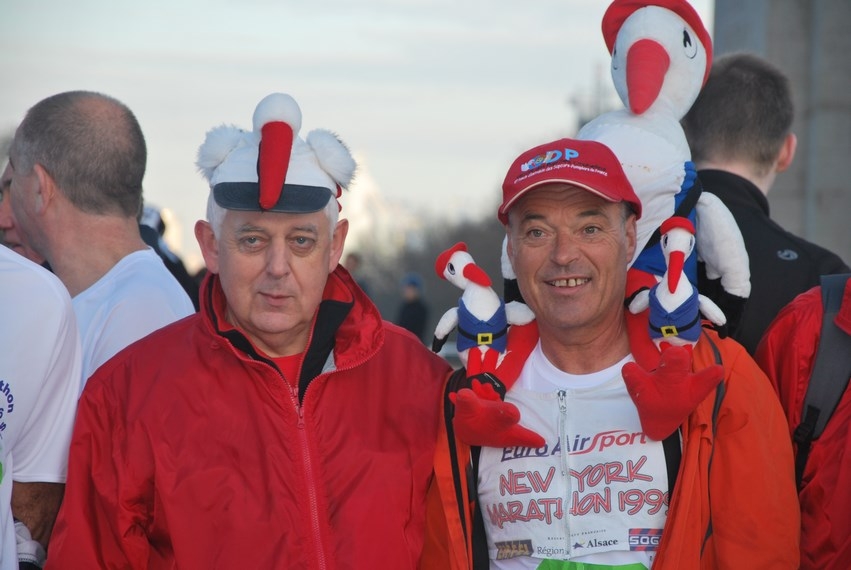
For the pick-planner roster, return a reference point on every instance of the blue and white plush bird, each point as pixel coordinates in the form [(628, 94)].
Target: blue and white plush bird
[(674, 303), (482, 317)]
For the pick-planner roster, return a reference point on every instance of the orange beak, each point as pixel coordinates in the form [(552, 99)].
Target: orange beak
[(646, 65), (477, 275), (676, 262)]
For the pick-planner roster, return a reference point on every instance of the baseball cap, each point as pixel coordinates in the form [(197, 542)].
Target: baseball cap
[(271, 168), (584, 163)]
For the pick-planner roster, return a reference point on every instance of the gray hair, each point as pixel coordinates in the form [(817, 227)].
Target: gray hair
[(91, 145)]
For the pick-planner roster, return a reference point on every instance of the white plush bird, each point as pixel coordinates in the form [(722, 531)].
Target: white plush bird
[(661, 54), (482, 317), (674, 303)]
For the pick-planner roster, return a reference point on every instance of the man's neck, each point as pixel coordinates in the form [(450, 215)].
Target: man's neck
[(578, 352), (745, 170), (86, 247)]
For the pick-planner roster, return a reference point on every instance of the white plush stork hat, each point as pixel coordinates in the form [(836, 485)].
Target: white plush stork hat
[(271, 168)]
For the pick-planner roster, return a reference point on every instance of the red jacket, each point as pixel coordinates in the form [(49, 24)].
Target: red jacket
[(734, 503), (191, 451), (786, 353)]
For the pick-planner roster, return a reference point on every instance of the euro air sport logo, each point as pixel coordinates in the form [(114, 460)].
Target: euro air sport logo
[(549, 157), (644, 539)]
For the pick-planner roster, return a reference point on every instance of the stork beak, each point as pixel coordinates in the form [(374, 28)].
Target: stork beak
[(477, 275), (676, 262), (646, 65)]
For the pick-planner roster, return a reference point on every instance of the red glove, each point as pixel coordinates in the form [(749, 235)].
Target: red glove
[(482, 418), (666, 396)]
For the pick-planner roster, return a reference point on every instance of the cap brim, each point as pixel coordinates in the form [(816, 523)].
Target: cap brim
[(294, 199), (503, 210)]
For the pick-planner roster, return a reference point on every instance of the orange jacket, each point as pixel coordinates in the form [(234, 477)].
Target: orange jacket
[(734, 503)]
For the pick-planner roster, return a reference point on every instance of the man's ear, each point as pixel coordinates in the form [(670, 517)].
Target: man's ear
[(46, 191), (338, 240), (209, 245), (787, 152)]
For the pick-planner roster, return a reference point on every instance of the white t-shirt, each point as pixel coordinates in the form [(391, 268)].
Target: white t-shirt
[(135, 298), (603, 502), (40, 372)]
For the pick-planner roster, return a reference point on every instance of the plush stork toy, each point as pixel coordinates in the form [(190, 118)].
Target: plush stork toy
[(661, 56), (481, 317), (488, 330), (675, 304)]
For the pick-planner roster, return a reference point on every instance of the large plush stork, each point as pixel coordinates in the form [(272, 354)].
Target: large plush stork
[(661, 55)]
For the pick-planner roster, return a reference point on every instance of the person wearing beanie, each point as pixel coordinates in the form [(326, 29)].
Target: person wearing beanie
[(413, 310), (285, 425), (663, 457)]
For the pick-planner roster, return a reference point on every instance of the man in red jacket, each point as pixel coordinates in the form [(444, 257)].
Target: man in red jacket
[(787, 353), (283, 426), (625, 474)]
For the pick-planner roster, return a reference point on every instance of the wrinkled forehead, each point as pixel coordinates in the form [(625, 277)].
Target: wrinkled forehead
[(546, 197), (274, 222)]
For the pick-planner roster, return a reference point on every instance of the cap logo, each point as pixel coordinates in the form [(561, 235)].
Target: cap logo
[(549, 157)]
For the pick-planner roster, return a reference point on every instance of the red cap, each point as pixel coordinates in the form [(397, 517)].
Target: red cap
[(619, 10), (584, 163)]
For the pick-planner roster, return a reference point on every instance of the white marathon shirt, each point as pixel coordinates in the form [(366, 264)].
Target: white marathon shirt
[(596, 493), (136, 297), (39, 383)]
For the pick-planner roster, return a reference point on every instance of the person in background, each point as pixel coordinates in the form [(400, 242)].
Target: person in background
[(152, 230), (75, 173), (413, 311), (40, 367), (353, 263), (787, 353), (740, 133), (9, 235), (283, 426), (716, 490)]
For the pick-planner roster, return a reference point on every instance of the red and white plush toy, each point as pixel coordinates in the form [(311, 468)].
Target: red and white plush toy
[(661, 56), (493, 339)]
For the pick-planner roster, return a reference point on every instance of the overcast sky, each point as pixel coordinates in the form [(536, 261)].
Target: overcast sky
[(435, 97)]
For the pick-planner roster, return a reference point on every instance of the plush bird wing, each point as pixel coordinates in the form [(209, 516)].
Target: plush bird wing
[(518, 313), (721, 246), (640, 301), (447, 322), (711, 311)]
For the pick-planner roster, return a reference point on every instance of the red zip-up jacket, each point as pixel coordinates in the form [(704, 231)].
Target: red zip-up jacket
[(191, 450), (787, 354)]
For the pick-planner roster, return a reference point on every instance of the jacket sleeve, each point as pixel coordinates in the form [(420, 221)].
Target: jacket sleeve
[(102, 519), (755, 517)]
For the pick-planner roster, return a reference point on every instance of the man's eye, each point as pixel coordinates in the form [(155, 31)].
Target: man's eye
[(535, 233)]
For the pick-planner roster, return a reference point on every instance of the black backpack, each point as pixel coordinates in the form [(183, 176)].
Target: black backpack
[(830, 373)]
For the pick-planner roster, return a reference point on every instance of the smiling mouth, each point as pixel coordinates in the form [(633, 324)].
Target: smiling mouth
[(569, 282)]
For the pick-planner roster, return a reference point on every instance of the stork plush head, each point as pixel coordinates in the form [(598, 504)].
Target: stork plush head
[(661, 53), (271, 168), (677, 243), (456, 265)]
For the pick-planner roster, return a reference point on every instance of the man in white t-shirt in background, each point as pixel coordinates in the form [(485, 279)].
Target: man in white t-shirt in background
[(39, 383), (75, 168)]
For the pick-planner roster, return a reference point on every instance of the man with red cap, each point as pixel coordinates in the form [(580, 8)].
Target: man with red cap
[(283, 426), (666, 460)]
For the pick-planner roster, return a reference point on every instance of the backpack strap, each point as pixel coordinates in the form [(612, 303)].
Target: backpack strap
[(683, 210), (830, 373)]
